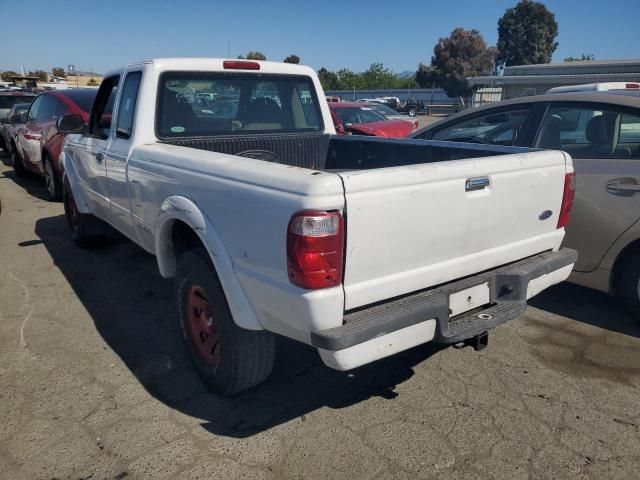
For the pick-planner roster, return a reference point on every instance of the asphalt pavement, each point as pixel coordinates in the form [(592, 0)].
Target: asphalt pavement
[(95, 383)]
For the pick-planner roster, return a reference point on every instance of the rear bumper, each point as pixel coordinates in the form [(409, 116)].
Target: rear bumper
[(387, 328)]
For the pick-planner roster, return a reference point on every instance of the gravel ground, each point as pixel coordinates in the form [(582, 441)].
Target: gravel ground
[(94, 383)]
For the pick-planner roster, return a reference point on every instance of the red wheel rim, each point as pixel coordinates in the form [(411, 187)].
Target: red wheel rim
[(202, 329)]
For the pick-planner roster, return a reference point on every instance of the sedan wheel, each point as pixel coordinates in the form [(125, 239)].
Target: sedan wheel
[(51, 178)]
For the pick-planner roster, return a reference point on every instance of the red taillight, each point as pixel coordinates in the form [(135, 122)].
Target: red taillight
[(633, 85), (315, 249), (567, 199), (240, 65)]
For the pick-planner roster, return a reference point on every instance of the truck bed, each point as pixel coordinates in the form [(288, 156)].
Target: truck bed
[(332, 152)]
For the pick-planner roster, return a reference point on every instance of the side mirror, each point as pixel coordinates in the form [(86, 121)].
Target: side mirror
[(18, 118), (70, 124)]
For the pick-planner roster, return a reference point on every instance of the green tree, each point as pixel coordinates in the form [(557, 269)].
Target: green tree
[(58, 72), (256, 56), (348, 80), (328, 79), (461, 55), (292, 59), (377, 76), (526, 35), (92, 82), (7, 74), (424, 76), (589, 56)]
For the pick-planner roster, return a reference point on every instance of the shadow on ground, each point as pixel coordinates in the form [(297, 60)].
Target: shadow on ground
[(587, 306), (31, 183), (134, 311)]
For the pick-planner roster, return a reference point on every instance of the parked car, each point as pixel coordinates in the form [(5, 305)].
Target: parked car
[(38, 142), (10, 124), (353, 118), (390, 114), (601, 132), (9, 99), (368, 247)]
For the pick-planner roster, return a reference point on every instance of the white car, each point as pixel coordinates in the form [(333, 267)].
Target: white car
[(271, 224)]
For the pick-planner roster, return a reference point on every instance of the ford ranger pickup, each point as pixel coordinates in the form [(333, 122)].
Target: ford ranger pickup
[(271, 224)]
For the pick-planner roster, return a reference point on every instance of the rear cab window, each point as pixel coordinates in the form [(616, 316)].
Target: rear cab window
[(203, 104)]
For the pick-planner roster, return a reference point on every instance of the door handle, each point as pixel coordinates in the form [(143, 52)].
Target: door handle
[(99, 157), (625, 186), (477, 183)]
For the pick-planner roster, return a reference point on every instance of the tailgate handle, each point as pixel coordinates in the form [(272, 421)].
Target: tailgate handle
[(477, 183)]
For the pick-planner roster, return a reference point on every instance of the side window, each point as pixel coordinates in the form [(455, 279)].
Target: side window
[(303, 98), (100, 117), (495, 128), (586, 131), (33, 110), (127, 105)]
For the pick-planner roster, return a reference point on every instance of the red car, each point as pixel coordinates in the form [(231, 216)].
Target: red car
[(352, 118), (38, 142)]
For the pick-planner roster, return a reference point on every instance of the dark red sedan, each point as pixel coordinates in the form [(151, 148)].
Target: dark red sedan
[(38, 142), (352, 118)]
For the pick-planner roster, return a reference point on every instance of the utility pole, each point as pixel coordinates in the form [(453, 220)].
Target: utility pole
[(228, 48)]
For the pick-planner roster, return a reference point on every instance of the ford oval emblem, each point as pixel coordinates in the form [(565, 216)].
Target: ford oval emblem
[(546, 214)]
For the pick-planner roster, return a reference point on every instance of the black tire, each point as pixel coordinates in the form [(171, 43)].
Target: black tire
[(239, 359), (3, 145), (16, 162), (86, 230), (412, 112), (629, 285), (54, 186)]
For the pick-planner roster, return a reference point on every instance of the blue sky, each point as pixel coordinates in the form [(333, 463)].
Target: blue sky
[(103, 35)]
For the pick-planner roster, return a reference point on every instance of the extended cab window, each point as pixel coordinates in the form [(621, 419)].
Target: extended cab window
[(229, 103), (591, 131), (495, 128), (127, 105)]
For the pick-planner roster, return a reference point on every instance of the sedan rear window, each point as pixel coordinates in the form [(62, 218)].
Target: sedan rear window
[(8, 101), (201, 104)]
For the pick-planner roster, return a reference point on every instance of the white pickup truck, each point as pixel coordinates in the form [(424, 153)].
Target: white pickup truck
[(229, 172)]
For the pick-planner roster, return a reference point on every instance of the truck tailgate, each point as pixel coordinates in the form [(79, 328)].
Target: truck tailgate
[(414, 227)]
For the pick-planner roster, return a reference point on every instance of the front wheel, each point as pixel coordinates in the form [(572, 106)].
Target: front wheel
[(85, 228), (629, 286), (228, 358), (412, 112)]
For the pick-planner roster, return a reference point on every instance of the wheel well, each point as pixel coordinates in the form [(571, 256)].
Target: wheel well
[(625, 254), (183, 238)]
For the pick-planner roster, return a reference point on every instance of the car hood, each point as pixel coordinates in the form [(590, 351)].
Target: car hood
[(388, 128)]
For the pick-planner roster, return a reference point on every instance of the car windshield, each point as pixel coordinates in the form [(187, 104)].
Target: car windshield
[(207, 104), (354, 115), (383, 109), (82, 97)]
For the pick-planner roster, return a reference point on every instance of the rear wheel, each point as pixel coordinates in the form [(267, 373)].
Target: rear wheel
[(16, 162), (412, 112), (629, 286), (228, 358), (54, 187)]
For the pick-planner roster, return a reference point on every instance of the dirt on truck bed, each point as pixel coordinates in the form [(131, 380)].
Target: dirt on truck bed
[(94, 383)]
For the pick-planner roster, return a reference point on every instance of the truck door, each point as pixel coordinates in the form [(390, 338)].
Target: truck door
[(92, 149), (119, 151)]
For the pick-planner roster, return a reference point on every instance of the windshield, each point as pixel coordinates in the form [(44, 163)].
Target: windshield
[(383, 109), (353, 115), (200, 104), (83, 98)]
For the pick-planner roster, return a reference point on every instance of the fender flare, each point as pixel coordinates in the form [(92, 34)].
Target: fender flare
[(185, 209), (70, 177)]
